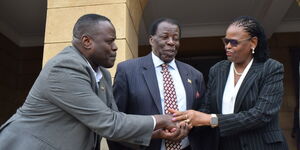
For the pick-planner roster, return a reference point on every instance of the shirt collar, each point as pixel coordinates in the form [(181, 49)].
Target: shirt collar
[(97, 73), (158, 62)]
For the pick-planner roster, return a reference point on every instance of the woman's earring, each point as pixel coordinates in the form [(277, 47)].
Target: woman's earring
[(253, 50)]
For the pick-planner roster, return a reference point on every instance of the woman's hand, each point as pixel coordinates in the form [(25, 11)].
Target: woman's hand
[(191, 117)]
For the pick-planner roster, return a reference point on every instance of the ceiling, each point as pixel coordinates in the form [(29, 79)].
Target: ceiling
[(205, 18), (24, 21)]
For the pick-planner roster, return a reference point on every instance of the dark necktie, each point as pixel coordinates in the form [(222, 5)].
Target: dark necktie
[(170, 101)]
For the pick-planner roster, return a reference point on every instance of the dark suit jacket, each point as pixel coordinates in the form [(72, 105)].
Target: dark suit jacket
[(64, 110), (254, 124), (136, 91)]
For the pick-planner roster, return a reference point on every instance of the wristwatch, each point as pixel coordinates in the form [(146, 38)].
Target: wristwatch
[(214, 121)]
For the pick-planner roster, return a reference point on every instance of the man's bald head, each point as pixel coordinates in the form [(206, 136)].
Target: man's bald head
[(86, 24)]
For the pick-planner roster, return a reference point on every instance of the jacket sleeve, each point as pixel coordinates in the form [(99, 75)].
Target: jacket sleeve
[(69, 87)]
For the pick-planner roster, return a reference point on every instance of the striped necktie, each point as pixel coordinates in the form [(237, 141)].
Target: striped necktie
[(170, 101)]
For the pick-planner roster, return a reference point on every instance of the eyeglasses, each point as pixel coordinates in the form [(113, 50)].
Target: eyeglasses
[(234, 42)]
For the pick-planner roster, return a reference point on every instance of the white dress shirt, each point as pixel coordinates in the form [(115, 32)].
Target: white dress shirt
[(97, 73), (230, 91), (179, 88)]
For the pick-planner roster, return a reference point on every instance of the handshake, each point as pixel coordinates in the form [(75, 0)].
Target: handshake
[(168, 129), (177, 126)]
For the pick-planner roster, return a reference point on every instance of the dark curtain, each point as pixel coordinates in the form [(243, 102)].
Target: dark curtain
[(295, 55)]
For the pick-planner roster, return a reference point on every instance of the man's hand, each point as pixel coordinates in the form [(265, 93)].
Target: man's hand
[(184, 131), (175, 135), (169, 132), (164, 122), (165, 134)]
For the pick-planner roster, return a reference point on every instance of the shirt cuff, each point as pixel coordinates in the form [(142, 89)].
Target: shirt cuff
[(154, 122)]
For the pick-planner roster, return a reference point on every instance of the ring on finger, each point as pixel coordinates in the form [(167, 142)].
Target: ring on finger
[(187, 121)]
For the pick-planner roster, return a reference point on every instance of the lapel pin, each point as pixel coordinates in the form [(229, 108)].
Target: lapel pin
[(189, 81), (102, 88), (197, 94)]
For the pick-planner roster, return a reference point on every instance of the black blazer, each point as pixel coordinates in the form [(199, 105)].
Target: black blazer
[(254, 124), (136, 91)]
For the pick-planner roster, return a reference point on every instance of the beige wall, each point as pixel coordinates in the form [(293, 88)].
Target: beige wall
[(124, 14)]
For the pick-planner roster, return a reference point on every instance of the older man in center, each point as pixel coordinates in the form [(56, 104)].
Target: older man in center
[(140, 85)]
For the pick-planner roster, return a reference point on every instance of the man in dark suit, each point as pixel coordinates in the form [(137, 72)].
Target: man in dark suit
[(139, 83), (71, 105)]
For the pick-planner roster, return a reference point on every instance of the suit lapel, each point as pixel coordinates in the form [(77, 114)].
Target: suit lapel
[(93, 81), (246, 84), (222, 79), (91, 72), (151, 80), (187, 83), (101, 90), (105, 89)]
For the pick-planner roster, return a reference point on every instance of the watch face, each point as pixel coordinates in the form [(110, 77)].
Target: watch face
[(214, 121)]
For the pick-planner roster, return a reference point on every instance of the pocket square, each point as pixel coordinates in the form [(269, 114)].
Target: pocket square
[(197, 94)]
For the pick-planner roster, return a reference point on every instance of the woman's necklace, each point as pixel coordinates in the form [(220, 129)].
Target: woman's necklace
[(237, 73)]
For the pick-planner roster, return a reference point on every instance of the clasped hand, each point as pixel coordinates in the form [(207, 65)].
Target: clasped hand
[(173, 131)]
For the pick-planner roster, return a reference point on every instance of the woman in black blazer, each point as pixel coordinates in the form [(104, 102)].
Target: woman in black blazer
[(244, 93)]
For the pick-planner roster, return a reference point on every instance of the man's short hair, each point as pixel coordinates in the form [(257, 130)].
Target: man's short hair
[(86, 24), (153, 27)]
